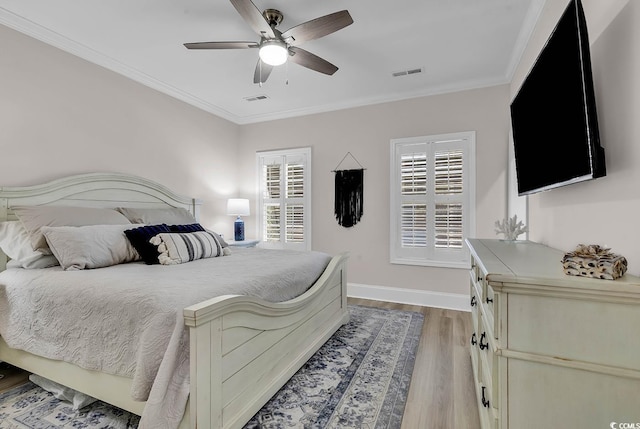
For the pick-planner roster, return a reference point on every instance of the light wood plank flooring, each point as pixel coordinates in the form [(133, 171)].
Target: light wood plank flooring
[(11, 376), (441, 395)]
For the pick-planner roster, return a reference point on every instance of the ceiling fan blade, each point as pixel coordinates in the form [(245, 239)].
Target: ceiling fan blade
[(311, 61), (318, 27), (252, 15), (263, 70), (221, 45)]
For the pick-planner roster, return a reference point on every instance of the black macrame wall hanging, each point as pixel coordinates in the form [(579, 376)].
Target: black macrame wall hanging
[(349, 194)]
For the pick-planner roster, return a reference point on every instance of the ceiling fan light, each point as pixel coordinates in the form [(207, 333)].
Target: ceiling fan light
[(273, 53)]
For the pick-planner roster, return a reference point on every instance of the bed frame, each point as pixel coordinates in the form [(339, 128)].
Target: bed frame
[(242, 349)]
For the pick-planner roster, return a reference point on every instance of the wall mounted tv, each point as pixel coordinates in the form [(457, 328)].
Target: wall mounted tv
[(553, 116)]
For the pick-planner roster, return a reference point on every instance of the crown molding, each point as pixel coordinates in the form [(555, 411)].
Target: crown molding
[(59, 41), (38, 32)]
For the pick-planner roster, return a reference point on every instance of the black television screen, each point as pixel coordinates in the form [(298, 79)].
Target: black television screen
[(553, 116)]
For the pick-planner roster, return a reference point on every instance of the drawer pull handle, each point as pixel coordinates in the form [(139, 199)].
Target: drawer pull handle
[(473, 339), (474, 302), (489, 300), (485, 402), (486, 344)]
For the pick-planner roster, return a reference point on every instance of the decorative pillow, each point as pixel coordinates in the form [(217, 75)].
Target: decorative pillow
[(178, 248), (219, 238), (15, 243), (91, 246), (35, 217), (192, 227), (139, 239), (196, 227), (168, 215)]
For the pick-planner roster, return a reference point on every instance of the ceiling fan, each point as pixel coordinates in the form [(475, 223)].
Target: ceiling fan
[(275, 47)]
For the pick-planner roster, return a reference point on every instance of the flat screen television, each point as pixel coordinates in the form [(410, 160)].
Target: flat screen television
[(553, 116)]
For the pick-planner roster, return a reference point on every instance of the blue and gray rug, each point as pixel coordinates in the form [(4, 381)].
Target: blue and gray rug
[(358, 379)]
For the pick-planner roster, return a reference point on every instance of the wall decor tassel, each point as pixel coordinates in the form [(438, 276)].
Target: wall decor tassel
[(349, 196)]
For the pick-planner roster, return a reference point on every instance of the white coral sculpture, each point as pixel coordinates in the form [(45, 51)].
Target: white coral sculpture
[(511, 228)]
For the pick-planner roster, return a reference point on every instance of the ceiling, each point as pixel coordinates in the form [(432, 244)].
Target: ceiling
[(458, 44)]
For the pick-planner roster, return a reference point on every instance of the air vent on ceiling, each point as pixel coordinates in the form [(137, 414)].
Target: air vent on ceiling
[(407, 72), (256, 98)]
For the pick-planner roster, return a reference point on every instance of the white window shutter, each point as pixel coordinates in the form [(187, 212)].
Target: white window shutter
[(284, 202), (432, 199)]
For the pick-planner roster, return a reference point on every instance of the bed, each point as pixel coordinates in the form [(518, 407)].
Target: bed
[(274, 338)]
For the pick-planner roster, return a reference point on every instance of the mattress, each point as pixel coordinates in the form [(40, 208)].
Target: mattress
[(127, 319)]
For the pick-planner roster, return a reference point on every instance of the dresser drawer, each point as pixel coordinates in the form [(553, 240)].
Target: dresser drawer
[(489, 306), (487, 398), (488, 360), (477, 282), (488, 301), (475, 305)]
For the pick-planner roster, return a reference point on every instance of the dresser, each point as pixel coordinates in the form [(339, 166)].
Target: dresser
[(550, 350)]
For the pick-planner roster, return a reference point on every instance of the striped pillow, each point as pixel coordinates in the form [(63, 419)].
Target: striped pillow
[(180, 247)]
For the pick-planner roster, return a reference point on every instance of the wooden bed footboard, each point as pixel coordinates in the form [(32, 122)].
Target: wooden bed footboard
[(243, 349)]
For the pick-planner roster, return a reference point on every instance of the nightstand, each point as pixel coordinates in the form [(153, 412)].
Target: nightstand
[(244, 243)]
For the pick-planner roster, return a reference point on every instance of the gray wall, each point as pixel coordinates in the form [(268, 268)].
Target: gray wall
[(61, 115), (366, 133)]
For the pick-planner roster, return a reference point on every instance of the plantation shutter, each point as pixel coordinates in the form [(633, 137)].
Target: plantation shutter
[(432, 199), (294, 222), (285, 204), (271, 217), (413, 190), (448, 184)]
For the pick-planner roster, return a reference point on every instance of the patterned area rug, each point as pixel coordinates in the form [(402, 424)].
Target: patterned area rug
[(359, 379)]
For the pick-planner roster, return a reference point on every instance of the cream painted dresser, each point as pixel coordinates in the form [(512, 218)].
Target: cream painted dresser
[(550, 350)]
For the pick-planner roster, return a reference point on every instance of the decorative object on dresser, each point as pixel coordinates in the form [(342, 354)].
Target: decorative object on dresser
[(238, 207), (594, 261), (511, 228), (550, 350)]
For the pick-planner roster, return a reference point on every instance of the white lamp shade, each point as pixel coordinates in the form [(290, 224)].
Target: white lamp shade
[(238, 207), (273, 53)]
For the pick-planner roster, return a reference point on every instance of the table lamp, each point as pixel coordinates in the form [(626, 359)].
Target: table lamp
[(238, 207)]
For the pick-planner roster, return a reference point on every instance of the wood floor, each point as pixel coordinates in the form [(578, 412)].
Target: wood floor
[(11, 376), (441, 394)]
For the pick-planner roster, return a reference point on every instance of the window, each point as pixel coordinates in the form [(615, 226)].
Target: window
[(284, 200), (432, 199)]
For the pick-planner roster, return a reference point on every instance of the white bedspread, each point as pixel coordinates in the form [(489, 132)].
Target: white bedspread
[(127, 319)]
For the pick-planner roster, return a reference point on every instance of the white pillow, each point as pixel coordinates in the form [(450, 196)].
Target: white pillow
[(78, 400), (35, 217), (16, 244), (153, 216), (180, 247), (91, 246)]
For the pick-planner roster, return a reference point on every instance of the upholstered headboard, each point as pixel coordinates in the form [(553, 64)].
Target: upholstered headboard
[(108, 190)]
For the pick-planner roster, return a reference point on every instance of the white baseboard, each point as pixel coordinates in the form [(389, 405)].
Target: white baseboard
[(451, 301)]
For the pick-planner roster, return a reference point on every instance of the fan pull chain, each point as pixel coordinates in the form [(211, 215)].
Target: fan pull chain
[(286, 70)]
